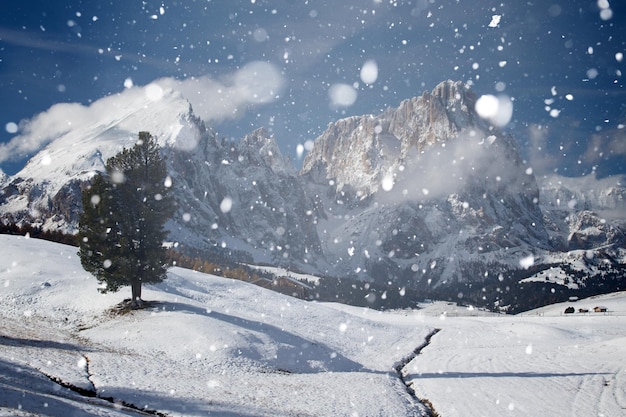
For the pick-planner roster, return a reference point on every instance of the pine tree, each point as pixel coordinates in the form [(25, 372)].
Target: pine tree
[(121, 228)]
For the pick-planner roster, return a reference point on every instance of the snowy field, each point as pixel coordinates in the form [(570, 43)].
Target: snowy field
[(213, 346)]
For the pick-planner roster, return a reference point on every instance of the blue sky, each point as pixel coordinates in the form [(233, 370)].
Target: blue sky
[(560, 62)]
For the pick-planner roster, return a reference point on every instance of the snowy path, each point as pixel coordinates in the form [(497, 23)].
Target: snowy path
[(400, 369)]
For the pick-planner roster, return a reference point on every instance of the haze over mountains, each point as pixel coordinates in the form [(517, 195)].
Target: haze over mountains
[(427, 195)]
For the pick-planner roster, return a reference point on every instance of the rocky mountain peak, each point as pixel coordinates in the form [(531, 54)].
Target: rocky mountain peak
[(260, 148), (359, 152), (453, 91)]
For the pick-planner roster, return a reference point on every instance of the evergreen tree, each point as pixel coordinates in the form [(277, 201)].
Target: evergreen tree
[(121, 228)]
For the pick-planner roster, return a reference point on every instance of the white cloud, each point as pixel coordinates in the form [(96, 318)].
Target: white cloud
[(464, 161), (213, 100), (611, 143), (44, 127), (216, 100)]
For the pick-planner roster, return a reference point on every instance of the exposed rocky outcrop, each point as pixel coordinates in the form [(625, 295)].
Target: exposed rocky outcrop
[(435, 184)]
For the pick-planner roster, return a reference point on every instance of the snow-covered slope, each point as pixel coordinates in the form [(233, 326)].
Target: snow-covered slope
[(208, 345)]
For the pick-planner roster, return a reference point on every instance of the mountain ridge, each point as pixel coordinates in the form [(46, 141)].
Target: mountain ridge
[(427, 195)]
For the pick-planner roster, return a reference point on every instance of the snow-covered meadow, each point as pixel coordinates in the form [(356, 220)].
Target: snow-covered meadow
[(214, 346)]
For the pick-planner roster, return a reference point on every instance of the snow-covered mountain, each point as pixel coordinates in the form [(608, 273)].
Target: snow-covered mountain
[(427, 195), (424, 192), (241, 198)]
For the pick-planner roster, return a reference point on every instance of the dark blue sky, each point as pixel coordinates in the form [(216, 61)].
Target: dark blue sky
[(561, 62)]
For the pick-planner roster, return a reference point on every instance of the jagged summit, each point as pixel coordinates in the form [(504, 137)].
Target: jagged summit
[(453, 91), (260, 144), (360, 151)]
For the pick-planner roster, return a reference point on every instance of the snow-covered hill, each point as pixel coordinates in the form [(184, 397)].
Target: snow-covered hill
[(542, 363), (208, 345)]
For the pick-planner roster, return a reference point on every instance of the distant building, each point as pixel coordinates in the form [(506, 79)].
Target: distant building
[(263, 282), (600, 309), (291, 286), (569, 310)]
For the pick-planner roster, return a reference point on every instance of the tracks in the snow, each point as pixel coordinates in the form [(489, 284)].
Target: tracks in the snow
[(404, 362), (92, 393)]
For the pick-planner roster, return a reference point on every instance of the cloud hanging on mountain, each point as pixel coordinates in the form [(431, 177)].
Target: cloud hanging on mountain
[(455, 167), (227, 98), (212, 99), (609, 144)]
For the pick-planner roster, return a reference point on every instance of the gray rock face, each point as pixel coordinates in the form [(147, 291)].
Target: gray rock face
[(244, 197), (360, 151), (428, 183)]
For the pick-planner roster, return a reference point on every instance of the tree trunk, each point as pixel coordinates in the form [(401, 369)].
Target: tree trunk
[(135, 287)]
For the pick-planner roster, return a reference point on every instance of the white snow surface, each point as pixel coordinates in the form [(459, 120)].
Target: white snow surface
[(543, 362), (213, 346)]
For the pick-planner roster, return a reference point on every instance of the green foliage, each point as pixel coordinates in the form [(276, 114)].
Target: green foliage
[(121, 229)]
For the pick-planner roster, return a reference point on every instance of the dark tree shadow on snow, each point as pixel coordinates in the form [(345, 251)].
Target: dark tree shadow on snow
[(41, 344), (295, 354)]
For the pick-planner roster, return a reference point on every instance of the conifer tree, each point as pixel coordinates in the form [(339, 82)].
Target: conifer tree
[(121, 228)]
